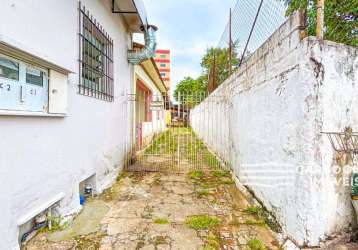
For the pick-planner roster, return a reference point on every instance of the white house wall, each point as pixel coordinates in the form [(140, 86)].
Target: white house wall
[(156, 125), (41, 157), (273, 111)]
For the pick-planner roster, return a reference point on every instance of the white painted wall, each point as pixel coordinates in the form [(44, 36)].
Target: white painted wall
[(156, 125), (41, 157), (273, 110)]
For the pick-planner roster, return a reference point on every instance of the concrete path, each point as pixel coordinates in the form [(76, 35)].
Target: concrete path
[(166, 211)]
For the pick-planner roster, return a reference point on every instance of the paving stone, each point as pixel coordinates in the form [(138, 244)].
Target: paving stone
[(137, 201)]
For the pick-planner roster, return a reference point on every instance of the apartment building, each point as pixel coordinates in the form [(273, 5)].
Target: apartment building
[(162, 59)]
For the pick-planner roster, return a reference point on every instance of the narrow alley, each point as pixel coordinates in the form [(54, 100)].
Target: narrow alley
[(200, 210), (179, 125), (196, 206)]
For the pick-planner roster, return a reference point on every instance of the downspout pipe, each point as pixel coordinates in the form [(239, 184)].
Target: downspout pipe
[(137, 56)]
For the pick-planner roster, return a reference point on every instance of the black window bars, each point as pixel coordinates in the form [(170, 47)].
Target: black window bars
[(95, 58)]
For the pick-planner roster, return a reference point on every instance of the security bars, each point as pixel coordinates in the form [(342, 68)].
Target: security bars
[(95, 58)]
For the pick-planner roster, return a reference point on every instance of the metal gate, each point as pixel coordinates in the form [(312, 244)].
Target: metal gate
[(165, 137)]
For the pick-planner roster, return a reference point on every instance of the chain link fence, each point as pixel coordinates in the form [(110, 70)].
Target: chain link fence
[(252, 22)]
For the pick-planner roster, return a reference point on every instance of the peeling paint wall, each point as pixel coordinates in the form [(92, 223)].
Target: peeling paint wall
[(273, 110), (41, 157)]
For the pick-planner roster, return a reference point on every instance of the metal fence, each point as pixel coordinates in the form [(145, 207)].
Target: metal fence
[(163, 138), (252, 22)]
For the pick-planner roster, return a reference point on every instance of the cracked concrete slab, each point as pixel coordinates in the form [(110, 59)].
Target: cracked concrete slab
[(150, 211)]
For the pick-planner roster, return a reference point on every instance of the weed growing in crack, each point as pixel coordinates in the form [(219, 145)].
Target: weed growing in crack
[(203, 193), (160, 240), (161, 221), (196, 174), (254, 222), (256, 244), (221, 173), (213, 242), (264, 216), (252, 210), (202, 222)]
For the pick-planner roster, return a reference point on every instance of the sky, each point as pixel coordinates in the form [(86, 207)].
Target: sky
[(188, 28)]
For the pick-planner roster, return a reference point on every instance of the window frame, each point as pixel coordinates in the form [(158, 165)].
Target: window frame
[(95, 63)]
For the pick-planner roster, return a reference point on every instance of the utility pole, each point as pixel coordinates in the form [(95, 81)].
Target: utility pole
[(230, 46), (320, 19)]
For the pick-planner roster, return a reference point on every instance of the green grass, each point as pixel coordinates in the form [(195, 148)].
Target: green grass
[(263, 217), (213, 242), (252, 210), (203, 192), (196, 174), (254, 222), (164, 143), (161, 221), (221, 173), (256, 244), (202, 222)]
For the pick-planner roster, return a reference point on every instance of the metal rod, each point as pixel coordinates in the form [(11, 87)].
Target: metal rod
[(251, 31), (230, 46), (320, 19)]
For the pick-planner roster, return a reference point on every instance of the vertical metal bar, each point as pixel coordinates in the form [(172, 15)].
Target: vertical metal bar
[(320, 19), (79, 47), (230, 46)]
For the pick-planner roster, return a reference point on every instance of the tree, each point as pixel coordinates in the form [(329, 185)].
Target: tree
[(189, 90), (340, 17)]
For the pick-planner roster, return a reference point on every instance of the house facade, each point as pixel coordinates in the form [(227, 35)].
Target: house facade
[(150, 96), (65, 121)]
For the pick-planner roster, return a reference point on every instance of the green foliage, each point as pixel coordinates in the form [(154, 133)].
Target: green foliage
[(254, 222), (221, 62), (221, 173), (199, 86), (161, 221), (203, 192), (202, 222), (164, 143), (196, 174), (57, 223), (190, 90), (256, 244), (213, 242), (263, 218), (340, 18), (252, 210)]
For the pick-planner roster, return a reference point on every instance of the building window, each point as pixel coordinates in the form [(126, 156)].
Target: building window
[(23, 87), (9, 69), (162, 56), (162, 65), (162, 74), (96, 58)]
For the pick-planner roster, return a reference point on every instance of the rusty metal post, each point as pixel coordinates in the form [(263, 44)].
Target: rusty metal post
[(320, 19), (230, 46), (212, 75)]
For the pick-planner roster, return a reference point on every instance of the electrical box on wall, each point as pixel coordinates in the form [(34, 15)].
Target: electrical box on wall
[(22, 86), (30, 84)]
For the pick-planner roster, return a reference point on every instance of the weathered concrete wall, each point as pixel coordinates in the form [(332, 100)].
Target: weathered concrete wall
[(273, 110), (41, 157)]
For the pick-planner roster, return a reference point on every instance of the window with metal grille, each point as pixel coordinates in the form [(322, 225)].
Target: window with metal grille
[(95, 58)]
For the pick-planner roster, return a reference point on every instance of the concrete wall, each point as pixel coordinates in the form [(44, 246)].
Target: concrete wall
[(41, 157), (273, 111)]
